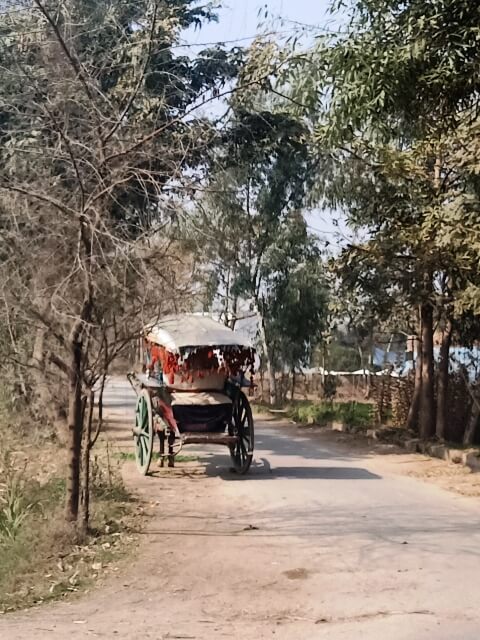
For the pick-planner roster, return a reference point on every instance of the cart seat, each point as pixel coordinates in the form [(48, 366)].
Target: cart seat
[(201, 412)]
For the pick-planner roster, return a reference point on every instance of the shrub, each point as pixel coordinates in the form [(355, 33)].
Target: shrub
[(350, 413), (14, 508)]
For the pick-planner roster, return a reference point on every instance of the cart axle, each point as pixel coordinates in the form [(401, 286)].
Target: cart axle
[(209, 438)]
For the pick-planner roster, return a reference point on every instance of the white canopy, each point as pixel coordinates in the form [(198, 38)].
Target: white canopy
[(192, 330)]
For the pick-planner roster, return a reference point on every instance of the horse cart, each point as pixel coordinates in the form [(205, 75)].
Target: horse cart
[(189, 390)]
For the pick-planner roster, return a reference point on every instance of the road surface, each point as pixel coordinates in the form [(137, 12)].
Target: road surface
[(315, 543)]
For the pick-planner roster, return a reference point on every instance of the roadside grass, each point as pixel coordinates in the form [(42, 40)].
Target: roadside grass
[(41, 556), (358, 414)]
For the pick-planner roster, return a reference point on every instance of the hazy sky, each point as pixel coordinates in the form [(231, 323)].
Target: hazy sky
[(239, 21)]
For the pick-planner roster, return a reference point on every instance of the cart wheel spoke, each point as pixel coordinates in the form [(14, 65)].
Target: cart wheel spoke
[(144, 440), (243, 416), (242, 448), (242, 427)]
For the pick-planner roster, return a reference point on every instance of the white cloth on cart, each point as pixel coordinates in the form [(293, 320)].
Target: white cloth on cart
[(199, 398)]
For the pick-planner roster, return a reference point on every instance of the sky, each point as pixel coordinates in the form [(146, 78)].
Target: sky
[(239, 22), (240, 19)]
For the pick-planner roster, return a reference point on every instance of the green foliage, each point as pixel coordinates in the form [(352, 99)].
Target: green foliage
[(98, 113), (400, 70), (351, 413), (132, 80), (394, 108), (343, 357), (14, 507), (257, 256), (294, 305), (393, 103)]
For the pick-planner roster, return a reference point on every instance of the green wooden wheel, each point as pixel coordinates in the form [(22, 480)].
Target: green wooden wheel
[(143, 433), (241, 425)]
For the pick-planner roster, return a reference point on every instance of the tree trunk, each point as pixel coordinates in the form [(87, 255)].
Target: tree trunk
[(362, 367), (471, 429), (322, 377), (412, 419), (84, 504), (427, 396), (272, 382), (368, 387), (368, 390), (18, 368), (38, 374), (381, 401), (233, 321), (469, 436), (443, 378), (292, 392), (99, 425), (270, 372), (75, 424)]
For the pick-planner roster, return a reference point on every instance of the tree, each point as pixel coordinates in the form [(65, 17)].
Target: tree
[(253, 243), (389, 101), (295, 301), (96, 121)]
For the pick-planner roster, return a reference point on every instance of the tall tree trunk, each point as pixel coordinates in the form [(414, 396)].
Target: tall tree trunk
[(37, 369), (412, 419), (427, 393), (18, 368), (84, 504), (471, 429), (368, 390), (381, 401), (99, 425), (272, 383), (75, 408), (360, 353), (282, 390), (75, 424), (292, 392), (233, 321), (322, 377), (443, 379)]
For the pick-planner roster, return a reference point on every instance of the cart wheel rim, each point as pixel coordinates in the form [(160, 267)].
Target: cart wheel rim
[(144, 438), (242, 426)]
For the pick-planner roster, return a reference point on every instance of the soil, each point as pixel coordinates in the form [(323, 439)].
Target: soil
[(327, 537)]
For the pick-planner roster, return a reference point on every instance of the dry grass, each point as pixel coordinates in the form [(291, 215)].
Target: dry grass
[(41, 556)]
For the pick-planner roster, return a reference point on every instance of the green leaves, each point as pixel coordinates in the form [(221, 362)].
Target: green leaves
[(13, 507), (394, 116), (254, 243)]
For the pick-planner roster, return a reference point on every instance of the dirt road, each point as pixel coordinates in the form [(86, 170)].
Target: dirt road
[(315, 543)]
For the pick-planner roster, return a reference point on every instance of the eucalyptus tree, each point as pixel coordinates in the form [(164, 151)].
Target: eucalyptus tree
[(253, 241)]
